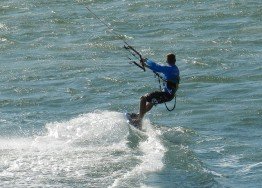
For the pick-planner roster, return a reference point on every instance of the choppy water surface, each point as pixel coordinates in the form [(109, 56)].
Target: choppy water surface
[(65, 83)]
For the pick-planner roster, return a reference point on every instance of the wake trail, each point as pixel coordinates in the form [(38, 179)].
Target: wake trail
[(97, 148)]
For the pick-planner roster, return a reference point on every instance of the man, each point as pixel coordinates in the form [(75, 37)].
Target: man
[(171, 75)]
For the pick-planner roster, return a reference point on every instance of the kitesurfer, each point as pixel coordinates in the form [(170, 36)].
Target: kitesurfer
[(170, 74)]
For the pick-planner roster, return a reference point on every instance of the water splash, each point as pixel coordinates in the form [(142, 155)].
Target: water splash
[(91, 150)]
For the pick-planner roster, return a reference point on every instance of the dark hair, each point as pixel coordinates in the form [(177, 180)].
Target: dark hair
[(171, 59)]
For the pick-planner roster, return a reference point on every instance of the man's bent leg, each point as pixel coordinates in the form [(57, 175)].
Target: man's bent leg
[(149, 106), (143, 107)]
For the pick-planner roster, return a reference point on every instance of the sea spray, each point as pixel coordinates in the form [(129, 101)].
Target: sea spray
[(150, 159), (91, 149)]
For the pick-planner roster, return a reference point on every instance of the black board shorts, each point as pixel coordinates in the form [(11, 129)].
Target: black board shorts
[(158, 97)]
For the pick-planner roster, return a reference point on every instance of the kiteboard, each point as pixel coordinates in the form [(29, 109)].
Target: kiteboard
[(131, 120)]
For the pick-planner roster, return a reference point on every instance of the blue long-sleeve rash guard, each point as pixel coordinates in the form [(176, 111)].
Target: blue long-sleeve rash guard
[(169, 72)]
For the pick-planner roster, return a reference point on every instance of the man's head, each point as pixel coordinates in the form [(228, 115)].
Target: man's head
[(171, 59)]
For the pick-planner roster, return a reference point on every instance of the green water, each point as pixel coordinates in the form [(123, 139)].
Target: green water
[(65, 83)]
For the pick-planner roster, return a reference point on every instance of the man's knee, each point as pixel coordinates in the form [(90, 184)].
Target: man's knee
[(143, 99)]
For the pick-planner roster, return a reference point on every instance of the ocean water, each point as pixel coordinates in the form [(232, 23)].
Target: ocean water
[(65, 83)]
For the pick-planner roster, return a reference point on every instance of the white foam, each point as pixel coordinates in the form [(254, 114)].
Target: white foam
[(100, 128), (230, 161), (91, 145), (15, 143), (3, 26), (151, 159), (248, 168)]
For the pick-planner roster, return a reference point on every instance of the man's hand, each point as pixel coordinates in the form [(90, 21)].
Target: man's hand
[(143, 61)]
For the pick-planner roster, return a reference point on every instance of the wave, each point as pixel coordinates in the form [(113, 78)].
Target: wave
[(95, 149)]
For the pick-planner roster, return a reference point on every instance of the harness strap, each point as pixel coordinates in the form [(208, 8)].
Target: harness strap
[(159, 81)]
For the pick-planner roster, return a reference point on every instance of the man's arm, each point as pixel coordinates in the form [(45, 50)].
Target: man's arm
[(155, 67)]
